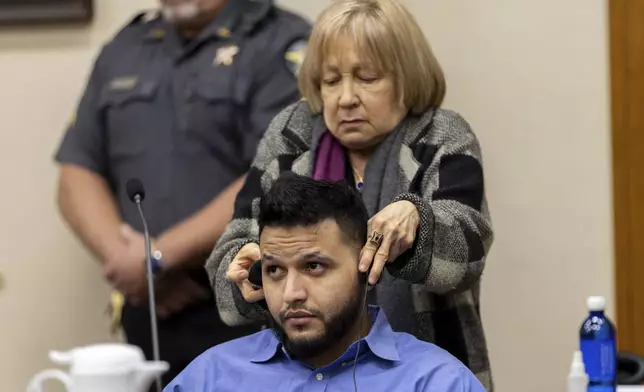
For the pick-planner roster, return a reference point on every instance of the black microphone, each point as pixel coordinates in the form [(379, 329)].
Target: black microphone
[(134, 189), (136, 193)]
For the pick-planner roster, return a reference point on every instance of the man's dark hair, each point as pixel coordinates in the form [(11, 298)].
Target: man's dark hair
[(295, 200)]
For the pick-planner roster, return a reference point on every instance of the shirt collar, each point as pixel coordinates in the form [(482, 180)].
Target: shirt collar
[(226, 22), (381, 340), (267, 347)]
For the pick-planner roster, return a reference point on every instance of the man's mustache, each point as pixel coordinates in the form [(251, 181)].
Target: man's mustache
[(298, 308)]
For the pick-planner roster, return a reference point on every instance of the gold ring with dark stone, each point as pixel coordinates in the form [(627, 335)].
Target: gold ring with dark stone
[(376, 239)]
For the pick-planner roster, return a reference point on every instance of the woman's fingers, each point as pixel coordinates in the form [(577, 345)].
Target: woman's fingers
[(376, 251), (366, 256), (391, 233), (238, 269), (250, 293), (380, 259), (394, 251), (401, 245), (237, 274)]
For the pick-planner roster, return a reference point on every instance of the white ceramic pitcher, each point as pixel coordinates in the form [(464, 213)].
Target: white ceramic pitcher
[(102, 368)]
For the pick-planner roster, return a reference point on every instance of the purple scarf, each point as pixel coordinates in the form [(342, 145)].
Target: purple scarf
[(329, 159)]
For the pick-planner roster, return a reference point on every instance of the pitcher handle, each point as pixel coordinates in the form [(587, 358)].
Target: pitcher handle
[(35, 385)]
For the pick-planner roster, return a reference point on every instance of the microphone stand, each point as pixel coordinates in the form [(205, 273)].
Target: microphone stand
[(151, 300)]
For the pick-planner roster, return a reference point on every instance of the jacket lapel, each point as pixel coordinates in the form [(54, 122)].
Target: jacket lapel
[(416, 139)]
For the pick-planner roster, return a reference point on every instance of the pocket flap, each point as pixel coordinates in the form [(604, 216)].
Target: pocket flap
[(141, 90)]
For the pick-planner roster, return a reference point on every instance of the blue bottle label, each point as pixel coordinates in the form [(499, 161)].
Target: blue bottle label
[(601, 389), (599, 359)]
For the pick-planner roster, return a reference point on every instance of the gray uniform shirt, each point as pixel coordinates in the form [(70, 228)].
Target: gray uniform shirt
[(185, 116)]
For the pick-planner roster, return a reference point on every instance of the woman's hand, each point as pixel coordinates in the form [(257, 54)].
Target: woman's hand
[(238, 272), (391, 232)]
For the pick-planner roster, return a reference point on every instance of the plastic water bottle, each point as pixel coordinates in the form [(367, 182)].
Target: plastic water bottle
[(598, 346), (577, 378)]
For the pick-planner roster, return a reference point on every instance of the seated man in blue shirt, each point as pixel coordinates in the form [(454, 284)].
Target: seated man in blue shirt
[(322, 336)]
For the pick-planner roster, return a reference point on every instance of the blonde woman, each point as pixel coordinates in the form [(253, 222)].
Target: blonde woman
[(371, 115)]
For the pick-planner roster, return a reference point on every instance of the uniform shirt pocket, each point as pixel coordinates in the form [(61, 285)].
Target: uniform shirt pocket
[(212, 118), (130, 115)]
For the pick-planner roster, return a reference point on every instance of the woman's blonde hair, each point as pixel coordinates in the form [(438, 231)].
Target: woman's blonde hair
[(385, 32)]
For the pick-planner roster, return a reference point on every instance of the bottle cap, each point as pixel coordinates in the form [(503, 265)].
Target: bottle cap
[(596, 303)]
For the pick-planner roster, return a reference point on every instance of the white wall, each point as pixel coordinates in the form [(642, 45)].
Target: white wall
[(54, 296), (530, 76)]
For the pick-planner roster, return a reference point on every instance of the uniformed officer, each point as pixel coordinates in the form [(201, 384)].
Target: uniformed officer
[(178, 99)]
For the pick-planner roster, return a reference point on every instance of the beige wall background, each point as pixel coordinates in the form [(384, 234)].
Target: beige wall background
[(530, 76)]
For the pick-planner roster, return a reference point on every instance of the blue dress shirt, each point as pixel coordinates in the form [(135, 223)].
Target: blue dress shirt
[(388, 361)]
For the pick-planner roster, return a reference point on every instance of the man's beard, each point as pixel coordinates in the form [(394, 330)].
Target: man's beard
[(183, 13), (335, 329)]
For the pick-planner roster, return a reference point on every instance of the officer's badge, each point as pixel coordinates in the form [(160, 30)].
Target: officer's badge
[(295, 56), (226, 54), (224, 32), (123, 83), (157, 33)]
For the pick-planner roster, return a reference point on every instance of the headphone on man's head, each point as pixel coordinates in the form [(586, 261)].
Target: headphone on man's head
[(255, 274)]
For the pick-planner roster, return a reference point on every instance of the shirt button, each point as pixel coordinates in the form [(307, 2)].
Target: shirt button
[(319, 376)]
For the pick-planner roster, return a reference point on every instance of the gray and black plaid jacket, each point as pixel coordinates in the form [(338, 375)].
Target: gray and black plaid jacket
[(440, 167)]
